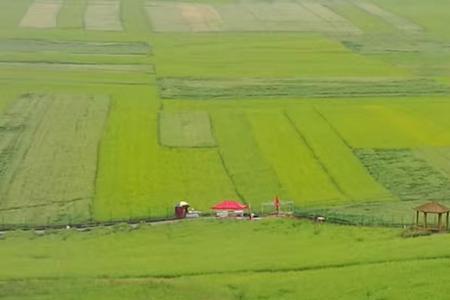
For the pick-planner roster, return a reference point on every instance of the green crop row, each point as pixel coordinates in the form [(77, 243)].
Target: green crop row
[(248, 88)]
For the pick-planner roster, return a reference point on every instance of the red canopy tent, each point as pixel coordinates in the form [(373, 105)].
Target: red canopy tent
[(229, 205)]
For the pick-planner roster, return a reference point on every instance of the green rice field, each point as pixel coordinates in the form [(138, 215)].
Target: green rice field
[(115, 110)]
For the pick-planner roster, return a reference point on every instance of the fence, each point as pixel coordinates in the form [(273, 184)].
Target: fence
[(380, 213), (29, 223), (387, 220)]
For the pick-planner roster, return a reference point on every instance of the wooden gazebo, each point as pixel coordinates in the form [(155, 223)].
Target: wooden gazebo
[(433, 208)]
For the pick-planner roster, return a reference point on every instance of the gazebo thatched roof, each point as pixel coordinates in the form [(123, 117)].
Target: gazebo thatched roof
[(433, 208)]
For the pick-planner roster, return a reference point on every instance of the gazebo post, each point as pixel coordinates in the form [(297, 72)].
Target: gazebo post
[(446, 221), (439, 222), (425, 219), (417, 218)]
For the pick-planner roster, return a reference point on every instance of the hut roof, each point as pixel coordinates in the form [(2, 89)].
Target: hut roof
[(432, 207)]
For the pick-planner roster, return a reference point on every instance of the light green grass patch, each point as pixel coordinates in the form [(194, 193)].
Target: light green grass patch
[(186, 129)]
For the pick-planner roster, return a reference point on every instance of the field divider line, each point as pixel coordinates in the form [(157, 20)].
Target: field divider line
[(49, 203), (76, 82), (303, 139), (303, 269), (224, 165), (97, 164), (306, 268), (321, 115)]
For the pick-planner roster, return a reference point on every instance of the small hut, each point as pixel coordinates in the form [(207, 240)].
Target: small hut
[(433, 208), (230, 208), (181, 209)]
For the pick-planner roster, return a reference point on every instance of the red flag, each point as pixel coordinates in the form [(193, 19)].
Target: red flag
[(276, 203)]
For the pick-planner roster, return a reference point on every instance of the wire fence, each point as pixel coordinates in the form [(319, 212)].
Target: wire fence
[(377, 214), (72, 221), (359, 219)]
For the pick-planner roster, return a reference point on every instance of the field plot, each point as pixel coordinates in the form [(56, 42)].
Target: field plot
[(337, 21), (103, 15), (438, 158), (253, 176), (57, 138), (42, 14), (17, 125), (339, 161), (186, 129), (301, 175), (183, 17), (399, 129), (198, 88), (138, 177), (391, 18), (166, 17), (405, 174), (78, 67), (68, 76), (74, 47), (246, 16), (11, 13), (200, 17), (71, 14), (265, 55), (433, 18)]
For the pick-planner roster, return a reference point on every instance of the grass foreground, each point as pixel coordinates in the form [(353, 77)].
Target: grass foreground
[(213, 259)]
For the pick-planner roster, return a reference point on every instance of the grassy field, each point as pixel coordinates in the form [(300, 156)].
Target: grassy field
[(275, 259)]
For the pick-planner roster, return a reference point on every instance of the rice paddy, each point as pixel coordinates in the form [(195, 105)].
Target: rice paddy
[(314, 69)]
